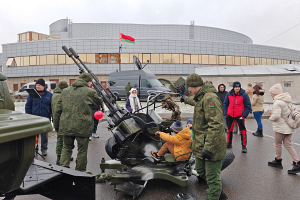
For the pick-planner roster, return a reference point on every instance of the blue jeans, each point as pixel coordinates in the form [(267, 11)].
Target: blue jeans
[(257, 115)]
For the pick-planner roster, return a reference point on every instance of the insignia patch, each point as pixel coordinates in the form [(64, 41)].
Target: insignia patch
[(211, 105)]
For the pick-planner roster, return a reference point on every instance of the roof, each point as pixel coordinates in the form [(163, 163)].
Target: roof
[(228, 70)]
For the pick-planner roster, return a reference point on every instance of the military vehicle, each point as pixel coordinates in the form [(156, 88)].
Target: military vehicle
[(133, 138), (20, 173)]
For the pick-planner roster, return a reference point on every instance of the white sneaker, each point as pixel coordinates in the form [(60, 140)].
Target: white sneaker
[(95, 135), (90, 138)]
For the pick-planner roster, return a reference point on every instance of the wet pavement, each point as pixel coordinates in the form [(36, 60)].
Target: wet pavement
[(248, 177)]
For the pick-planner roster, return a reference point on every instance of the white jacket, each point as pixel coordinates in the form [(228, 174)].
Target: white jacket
[(280, 108)]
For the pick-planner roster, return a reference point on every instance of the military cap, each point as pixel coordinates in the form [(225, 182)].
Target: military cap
[(194, 80), (86, 76), (62, 85)]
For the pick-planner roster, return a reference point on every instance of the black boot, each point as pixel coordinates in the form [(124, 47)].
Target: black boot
[(276, 163), (296, 168), (259, 133), (223, 196), (58, 160), (244, 149), (229, 145), (255, 132)]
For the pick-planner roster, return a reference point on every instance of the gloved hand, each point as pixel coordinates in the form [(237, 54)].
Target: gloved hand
[(182, 98), (207, 154)]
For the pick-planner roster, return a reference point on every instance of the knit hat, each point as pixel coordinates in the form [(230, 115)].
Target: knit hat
[(276, 89), (190, 121), (86, 76), (236, 84), (62, 85), (250, 84), (41, 82), (132, 90), (176, 126), (194, 80)]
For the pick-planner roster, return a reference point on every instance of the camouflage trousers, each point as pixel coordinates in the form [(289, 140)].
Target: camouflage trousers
[(211, 172), (81, 160), (59, 144)]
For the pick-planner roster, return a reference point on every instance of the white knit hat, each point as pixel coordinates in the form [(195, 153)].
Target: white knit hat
[(132, 90), (276, 89)]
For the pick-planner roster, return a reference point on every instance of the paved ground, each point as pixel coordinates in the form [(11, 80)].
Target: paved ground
[(248, 177)]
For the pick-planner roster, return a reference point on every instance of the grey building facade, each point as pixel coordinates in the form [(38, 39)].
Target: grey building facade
[(172, 50)]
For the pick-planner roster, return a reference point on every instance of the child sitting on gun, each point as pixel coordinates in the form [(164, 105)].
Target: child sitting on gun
[(177, 144), (189, 124)]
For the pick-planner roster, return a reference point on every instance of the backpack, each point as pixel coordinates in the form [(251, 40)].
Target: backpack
[(293, 119)]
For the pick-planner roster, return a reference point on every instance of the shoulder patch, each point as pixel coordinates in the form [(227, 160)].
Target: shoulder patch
[(207, 96)]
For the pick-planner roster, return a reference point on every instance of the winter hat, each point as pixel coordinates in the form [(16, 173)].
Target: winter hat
[(276, 89), (194, 80), (250, 84), (132, 90), (86, 76), (41, 82), (176, 126), (62, 85), (236, 84), (190, 121)]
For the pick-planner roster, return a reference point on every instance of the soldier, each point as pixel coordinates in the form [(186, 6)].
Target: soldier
[(73, 119), (128, 88), (209, 139), (56, 94)]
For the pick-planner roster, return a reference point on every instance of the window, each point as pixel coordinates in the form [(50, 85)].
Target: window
[(244, 60), (263, 61), (124, 58), (146, 57), (222, 60), (155, 58), (32, 86), (9, 62), (175, 58), (61, 59), (72, 81), (22, 89), (187, 59), (53, 85), (166, 58), (194, 59), (145, 83), (237, 60), (114, 58), (131, 56), (90, 58), (68, 60), (35, 36), (204, 59), (16, 87), (251, 61), (32, 60), (50, 59), (230, 84), (82, 57), (1, 68), (229, 60), (155, 82), (257, 61), (54, 80), (26, 61), (275, 61), (212, 59), (17, 61), (287, 84)]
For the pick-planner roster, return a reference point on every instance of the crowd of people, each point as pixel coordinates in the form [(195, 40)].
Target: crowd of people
[(207, 135)]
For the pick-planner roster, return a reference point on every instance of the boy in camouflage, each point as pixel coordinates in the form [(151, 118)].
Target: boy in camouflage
[(209, 139), (73, 119)]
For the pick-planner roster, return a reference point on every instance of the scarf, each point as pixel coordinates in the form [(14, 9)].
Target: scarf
[(135, 103)]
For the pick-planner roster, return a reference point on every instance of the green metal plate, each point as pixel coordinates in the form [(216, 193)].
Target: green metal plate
[(15, 125)]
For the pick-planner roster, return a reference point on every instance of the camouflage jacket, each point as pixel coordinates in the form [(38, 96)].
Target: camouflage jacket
[(208, 124), (56, 94), (128, 88), (73, 113)]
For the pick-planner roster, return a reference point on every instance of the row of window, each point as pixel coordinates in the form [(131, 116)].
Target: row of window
[(154, 58), (32, 36)]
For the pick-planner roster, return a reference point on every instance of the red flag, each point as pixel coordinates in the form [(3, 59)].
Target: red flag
[(126, 38)]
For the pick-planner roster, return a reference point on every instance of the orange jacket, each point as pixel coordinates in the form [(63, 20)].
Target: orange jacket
[(181, 142)]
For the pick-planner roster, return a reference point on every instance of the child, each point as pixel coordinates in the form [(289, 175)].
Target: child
[(189, 124), (177, 144)]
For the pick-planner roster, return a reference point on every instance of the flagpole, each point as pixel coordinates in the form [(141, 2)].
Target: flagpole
[(119, 53)]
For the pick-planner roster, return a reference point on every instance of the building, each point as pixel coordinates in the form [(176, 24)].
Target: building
[(172, 50)]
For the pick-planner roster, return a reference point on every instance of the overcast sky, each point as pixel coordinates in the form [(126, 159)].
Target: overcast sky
[(261, 20)]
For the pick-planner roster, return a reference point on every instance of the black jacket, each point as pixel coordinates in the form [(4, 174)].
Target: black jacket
[(223, 94)]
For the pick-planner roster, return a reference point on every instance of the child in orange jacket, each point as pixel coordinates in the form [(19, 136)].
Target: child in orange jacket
[(176, 144)]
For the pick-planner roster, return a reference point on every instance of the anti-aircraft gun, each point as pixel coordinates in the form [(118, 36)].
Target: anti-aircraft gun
[(133, 140)]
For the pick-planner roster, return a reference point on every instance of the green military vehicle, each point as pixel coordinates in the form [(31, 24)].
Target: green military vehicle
[(20, 173)]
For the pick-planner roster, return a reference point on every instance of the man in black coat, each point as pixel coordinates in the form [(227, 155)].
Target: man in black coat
[(222, 94)]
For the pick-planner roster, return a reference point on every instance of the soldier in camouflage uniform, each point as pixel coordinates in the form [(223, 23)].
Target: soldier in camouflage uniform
[(56, 94), (128, 88), (209, 139), (73, 119)]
